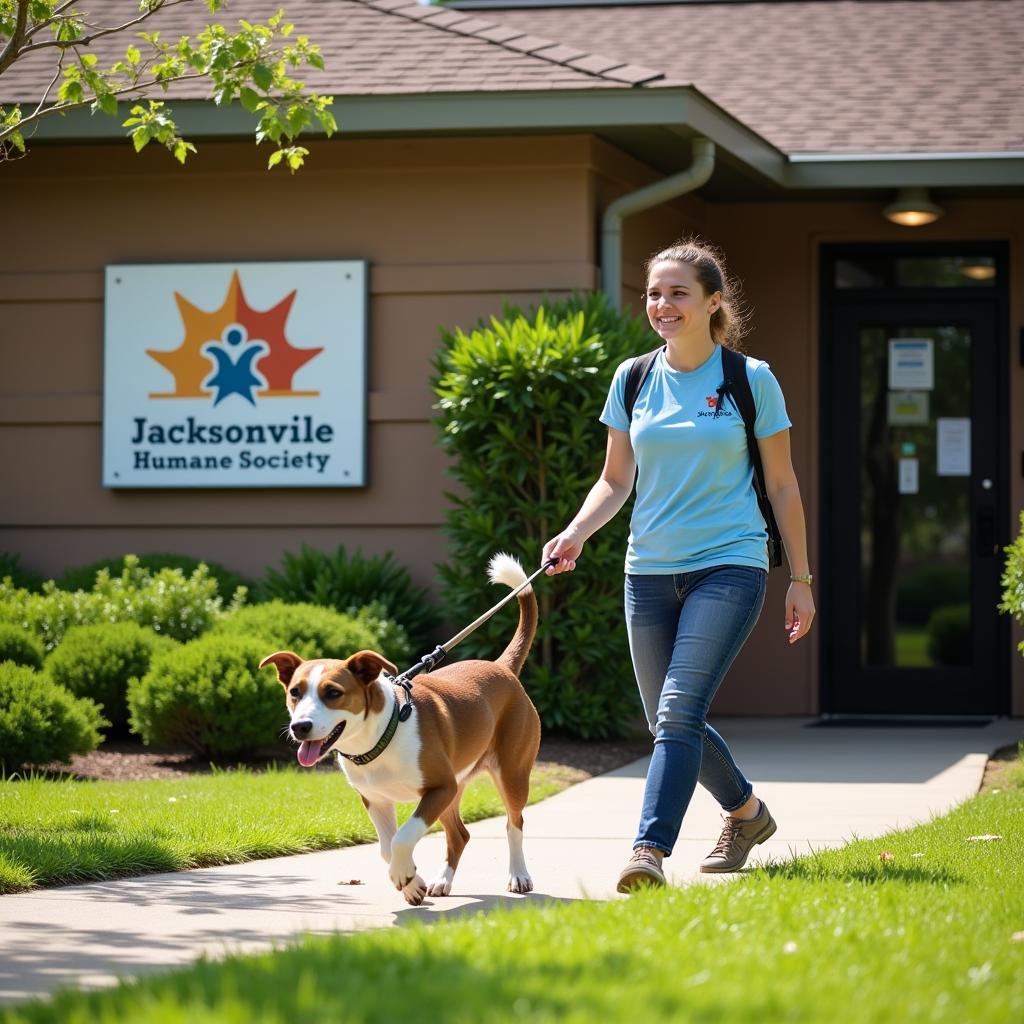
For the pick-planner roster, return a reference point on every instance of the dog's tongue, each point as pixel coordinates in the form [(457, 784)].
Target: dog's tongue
[(309, 752)]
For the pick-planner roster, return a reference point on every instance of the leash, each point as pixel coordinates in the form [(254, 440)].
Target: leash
[(430, 661)]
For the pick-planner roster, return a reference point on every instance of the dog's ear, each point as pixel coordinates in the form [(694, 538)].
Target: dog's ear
[(367, 665), (286, 662)]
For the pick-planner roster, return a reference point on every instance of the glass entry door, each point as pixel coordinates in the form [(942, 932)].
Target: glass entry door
[(913, 479)]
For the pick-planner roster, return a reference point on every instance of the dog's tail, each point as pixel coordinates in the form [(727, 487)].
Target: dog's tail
[(506, 569)]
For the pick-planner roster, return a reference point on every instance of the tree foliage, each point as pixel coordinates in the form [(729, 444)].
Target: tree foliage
[(519, 401), (252, 64)]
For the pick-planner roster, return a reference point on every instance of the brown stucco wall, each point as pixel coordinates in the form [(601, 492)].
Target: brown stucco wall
[(450, 228), (774, 248)]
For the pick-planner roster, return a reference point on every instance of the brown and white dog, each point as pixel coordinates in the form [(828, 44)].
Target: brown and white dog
[(466, 717)]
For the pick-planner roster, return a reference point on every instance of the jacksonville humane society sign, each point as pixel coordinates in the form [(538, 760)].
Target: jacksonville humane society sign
[(235, 375)]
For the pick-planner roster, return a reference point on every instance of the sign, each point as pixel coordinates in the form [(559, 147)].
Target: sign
[(235, 375), (908, 478), (911, 364), (953, 446), (908, 408)]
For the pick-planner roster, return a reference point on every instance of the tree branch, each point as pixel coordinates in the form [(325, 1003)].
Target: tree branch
[(136, 87), (12, 50), (65, 44), (54, 16)]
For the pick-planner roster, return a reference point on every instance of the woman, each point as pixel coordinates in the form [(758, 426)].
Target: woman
[(696, 565)]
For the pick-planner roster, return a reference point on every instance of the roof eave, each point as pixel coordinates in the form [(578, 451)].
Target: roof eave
[(683, 110)]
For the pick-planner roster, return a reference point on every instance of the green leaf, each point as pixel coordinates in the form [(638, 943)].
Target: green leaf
[(316, 60), (250, 99), (17, 141), (262, 76), (107, 102), (182, 149), (140, 137), (71, 92), (132, 55), (275, 159)]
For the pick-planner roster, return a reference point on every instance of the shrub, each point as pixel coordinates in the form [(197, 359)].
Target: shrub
[(354, 583), (20, 646), (167, 601), (519, 402), (40, 721), (306, 629), (928, 587), (949, 635), (1013, 579), (211, 696), (24, 578), (84, 577), (97, 662)]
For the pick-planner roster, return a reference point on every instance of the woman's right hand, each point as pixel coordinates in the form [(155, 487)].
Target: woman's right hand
[(566, 547)]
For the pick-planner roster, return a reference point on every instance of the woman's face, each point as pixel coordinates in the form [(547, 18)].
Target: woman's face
[(676, 304)]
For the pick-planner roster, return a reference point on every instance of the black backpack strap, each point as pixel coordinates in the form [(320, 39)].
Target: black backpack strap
[(736, 385), (638, 371)]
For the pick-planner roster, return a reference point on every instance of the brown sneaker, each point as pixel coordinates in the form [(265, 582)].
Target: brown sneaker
[(738, 838), (643, 869)]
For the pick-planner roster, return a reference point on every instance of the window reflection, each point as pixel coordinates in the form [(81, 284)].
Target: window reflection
[(916, 272), (915, 525)]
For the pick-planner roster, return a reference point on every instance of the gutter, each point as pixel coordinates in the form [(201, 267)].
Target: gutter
[(634, 202)]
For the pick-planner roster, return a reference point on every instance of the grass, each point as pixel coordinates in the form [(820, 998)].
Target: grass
[(912, 648), (61, 832), (931, 932)]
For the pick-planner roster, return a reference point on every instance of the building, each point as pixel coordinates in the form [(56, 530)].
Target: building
[(480, 149)]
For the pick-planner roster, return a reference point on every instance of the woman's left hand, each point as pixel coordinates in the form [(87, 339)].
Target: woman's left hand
[(799, 610)]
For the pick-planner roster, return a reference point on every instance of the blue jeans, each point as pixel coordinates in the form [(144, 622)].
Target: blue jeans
[(684, 633)]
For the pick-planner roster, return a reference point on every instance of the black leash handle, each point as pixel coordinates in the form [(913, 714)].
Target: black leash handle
[(430, 661)]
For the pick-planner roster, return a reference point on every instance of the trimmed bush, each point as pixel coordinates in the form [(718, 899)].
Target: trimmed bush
[(97, 662), (949, 635), (306, 629), (210, 695), (41, 722), (26, 579), (167, 601), (84, 576), (17, 644), (374, 584), (519, 401), (1013, 579), (928, 587)]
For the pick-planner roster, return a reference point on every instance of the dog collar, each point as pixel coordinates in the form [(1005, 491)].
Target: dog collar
[(381, 744)]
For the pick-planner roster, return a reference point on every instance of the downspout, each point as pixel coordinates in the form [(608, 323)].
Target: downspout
[(642, 199)]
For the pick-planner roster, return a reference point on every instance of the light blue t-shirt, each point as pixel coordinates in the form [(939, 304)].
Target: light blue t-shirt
[(695, 501)]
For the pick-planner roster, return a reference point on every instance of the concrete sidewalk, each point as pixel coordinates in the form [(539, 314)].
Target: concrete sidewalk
[(824, 786)]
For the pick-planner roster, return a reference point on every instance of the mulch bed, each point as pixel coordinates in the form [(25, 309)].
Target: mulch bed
[(125, 760)]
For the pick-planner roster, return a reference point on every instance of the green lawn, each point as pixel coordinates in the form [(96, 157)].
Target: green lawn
[(912, 648), (54, 833), (933, 931)]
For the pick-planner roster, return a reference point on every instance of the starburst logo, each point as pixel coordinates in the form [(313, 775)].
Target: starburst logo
[(234, 350)]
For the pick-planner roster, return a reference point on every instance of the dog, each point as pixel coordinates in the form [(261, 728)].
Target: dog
[(466, 717)]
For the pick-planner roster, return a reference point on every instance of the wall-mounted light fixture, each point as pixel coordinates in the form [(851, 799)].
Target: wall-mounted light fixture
[(913, 208), (981, 269)]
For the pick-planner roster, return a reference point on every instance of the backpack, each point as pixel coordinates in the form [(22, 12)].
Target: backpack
[(737, 386)]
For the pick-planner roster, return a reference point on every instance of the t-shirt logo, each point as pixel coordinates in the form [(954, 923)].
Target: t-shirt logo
[(712, 401)]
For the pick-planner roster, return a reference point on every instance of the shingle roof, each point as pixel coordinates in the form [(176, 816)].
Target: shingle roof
[(375, 47), (850, 76), (847, 76)]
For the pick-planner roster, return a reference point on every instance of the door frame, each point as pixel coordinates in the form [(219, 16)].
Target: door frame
[(831, 299)]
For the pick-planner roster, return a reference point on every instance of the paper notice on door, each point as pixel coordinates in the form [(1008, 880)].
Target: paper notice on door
[(953, 446), (911, 364), (907, 408), (908, 479)]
